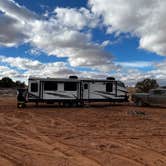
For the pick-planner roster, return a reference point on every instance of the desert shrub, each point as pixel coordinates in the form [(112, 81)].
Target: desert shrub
[(7, 82), (146, 85), (20, 84)]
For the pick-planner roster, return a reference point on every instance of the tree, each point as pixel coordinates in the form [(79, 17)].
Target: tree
[(7, 82), (146, 85), (20, 84), (163, 87)]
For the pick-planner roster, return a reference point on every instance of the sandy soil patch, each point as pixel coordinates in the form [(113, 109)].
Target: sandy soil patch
[(94, 136)]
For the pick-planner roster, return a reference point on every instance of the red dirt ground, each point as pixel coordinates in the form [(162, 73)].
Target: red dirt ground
[(92, 136)]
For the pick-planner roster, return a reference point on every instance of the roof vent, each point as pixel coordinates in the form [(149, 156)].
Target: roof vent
[(73, 77), (110, 78)]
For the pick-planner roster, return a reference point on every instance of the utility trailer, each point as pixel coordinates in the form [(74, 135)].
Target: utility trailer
[(75, 91)]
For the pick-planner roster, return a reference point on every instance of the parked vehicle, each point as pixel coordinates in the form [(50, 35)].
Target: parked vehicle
[(155, 97), (75, 91)]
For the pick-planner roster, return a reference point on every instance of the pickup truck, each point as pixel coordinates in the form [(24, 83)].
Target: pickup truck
[(155, 97)]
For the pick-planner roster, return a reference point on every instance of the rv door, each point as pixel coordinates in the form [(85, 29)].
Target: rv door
[(33, 89), (85, 90)]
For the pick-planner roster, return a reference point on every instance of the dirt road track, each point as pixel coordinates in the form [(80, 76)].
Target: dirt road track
[(95, 136)]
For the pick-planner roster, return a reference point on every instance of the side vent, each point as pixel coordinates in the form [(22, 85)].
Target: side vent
[(73, 77), (110, 78)]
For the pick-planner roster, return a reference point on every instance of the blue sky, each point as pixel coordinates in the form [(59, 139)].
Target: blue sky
[(86, 38)]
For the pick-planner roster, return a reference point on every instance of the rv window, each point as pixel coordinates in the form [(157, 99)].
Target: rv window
[(119, 83), (109, 87), (159, 92), (34, 87), (85, 86), (70, 86), (50, 86)]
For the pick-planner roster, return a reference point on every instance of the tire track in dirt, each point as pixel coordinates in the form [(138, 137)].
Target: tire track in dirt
[(136, 149), (57, 149), (139, 154), (30, 135), (67, 151), (132, 161), (154, 155), (7, 161), (143, 147), (139, 150), (76, 157)]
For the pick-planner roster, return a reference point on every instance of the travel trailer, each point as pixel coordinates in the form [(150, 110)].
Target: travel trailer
[(75, 91)]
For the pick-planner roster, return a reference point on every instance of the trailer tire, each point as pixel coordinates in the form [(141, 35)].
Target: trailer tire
[(139, 103), (21, 105), (74, 104), (36, 104), (66, 104)]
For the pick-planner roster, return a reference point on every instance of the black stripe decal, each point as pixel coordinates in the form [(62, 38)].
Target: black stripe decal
[(106, 97), (106, 93), (115, 97), (32, 95), (122, 90), (59, 95), (100, 93)]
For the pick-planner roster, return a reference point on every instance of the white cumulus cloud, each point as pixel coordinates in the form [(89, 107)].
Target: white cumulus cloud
[(76, 18), (22, 68), (144, 19), (59, 35)]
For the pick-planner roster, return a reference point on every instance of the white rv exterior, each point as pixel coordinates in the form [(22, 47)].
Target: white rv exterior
[(75, 90)]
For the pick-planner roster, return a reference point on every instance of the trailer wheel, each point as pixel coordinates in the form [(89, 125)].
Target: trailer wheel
[(21, 105), (36, 104), (139, 103), (66, 104), (75, 104), (78, 104)]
